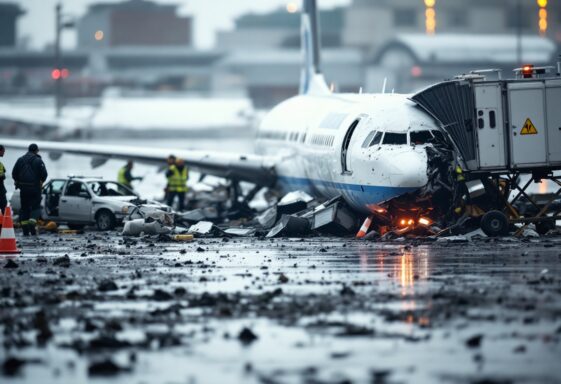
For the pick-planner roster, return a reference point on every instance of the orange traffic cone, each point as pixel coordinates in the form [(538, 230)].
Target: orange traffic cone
[(364, 229), (8, 236)]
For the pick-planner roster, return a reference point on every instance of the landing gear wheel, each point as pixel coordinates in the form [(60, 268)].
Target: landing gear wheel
[(545, 226), (494, 223), (105, 220)]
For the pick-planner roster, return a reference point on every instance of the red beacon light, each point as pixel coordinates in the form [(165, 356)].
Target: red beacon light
[(527, 71)]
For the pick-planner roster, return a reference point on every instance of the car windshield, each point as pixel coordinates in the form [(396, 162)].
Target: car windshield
[(107, 188)]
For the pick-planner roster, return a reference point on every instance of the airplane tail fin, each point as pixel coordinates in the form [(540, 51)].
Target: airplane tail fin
[(311, 79)]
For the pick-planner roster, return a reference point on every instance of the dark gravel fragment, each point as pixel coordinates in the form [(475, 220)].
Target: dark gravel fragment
[(12, 366), (11, 264), (107, 342), (347, 291), (41, 323), (104, 368), (107, 285), (180, 291), (161, 295), (63, 261), (283, 279), (246, 336), (474, 341)]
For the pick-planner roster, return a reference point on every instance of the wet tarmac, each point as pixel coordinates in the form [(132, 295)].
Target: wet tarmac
[(95, 307)]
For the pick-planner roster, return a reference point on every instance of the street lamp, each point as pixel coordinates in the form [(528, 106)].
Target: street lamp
[(58, 73)]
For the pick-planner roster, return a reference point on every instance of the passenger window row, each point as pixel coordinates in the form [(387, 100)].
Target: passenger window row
[(273, 135), (323, 140)]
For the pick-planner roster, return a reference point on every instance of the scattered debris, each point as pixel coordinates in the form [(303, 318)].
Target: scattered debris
[(10, 264), (246, 336)]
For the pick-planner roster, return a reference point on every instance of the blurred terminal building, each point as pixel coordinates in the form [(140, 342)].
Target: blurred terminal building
[(145, 45)]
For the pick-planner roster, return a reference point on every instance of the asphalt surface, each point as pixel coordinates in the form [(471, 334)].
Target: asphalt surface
[(81, 308)]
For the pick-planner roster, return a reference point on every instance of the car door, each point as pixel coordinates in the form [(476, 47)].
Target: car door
[(76, 203), (51, 198)]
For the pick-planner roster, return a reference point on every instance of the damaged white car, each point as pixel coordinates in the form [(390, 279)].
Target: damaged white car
[(81, 201)]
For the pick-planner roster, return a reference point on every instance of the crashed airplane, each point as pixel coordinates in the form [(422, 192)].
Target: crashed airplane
[(367, 148)]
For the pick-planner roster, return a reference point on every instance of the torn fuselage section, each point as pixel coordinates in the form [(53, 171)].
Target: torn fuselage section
[(427, 209)]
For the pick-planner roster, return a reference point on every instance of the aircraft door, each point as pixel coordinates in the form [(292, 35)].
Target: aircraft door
[(345, 150)]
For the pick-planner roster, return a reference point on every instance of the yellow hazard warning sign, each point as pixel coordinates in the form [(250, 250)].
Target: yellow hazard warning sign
[(529, 128)]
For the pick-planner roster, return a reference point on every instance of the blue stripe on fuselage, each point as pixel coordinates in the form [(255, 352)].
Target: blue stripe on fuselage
[(358, 195)]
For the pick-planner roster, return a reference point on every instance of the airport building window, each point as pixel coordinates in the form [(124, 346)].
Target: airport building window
[(395, 138), (405, 17)]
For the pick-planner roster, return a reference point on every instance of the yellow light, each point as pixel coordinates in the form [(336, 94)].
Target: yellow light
[(543, 13), (543, 25), (431, 26), (98, 35), (292, 7), (542, 3), (430, 17)]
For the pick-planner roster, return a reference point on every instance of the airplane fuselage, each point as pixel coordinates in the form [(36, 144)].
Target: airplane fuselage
[(369, 148)]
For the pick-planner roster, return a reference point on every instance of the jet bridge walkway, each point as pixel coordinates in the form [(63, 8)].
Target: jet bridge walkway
[(504, 131)]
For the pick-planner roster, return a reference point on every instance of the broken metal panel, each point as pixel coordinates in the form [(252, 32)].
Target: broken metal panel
[(290, 226), (452, 103), (335, 219)]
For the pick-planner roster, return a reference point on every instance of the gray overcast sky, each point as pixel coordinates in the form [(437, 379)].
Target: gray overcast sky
[(210, 16)]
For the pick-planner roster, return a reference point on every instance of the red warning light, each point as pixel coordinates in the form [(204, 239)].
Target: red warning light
[(56, 74), (64, 73), (527, 71)]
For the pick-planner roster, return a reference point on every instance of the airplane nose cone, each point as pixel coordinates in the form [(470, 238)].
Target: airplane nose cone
[(409, 169)]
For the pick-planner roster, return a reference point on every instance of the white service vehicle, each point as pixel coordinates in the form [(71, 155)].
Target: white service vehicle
[(81, 201)]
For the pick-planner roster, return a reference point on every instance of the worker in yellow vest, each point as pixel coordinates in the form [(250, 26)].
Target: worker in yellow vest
[(177, 175), (170, 165), (125, 176)]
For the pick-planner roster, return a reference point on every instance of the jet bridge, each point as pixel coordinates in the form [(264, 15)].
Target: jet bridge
[(502, 129), (500, 125)]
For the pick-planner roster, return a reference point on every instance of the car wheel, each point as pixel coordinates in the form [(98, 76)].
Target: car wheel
[(495, 223), (77, 227), (105, 220)]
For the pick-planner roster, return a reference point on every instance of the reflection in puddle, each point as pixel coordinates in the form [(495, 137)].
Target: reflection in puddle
[(405, 268)]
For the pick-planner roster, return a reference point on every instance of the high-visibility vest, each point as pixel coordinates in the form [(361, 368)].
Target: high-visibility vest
[(459, 173), (2, 170), (121, 177), (177, 182)]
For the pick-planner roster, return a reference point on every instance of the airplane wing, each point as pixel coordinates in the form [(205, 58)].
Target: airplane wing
[(255, 169)]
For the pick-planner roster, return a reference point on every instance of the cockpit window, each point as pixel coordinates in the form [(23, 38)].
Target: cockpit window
[(439, 136), (395, 138), (372, 139), (420, 137)]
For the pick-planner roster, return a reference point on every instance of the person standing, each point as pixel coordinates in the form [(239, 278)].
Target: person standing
[(177, 184), (171, 164), (29, 174), (3, 200), (125, 175)]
